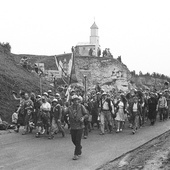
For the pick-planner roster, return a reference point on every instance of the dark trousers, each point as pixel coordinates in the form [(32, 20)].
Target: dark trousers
[(76, 135), (86, 128), (162, 113), (144, 115), (166, 113)]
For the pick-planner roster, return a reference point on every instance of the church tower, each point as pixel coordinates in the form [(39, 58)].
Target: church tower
[(94, 38)]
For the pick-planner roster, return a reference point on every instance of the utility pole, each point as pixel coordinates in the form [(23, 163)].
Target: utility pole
[(85, 87), (54, 84), (40, 85)]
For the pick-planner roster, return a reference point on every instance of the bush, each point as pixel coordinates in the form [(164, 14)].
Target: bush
[(6, 47)]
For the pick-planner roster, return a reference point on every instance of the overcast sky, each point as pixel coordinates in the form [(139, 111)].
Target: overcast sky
[(138, 30)]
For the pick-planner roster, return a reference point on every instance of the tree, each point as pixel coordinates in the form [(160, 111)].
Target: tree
[(6, 47), (119, 58), (140, 73), (154, 74), (133, 73)]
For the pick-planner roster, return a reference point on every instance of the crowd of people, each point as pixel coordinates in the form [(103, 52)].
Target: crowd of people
[(71, 108)]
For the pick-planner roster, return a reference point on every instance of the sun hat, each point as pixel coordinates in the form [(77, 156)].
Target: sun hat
[(57, 94), (75, 97), (104, 93), (55, 100), (49, 91), (45, 93), (38, 96)]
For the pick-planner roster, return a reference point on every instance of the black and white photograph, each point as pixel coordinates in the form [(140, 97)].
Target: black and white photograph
[(85, 85)]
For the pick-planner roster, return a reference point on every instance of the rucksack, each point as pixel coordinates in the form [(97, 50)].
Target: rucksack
[(109, 104)]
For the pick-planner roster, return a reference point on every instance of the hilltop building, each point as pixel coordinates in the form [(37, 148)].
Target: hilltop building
[(89, 48)]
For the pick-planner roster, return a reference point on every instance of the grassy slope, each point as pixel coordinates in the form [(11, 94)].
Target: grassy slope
[(14, 77)]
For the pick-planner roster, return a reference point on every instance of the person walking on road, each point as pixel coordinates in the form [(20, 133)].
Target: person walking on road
[(77, 114), (135, 115), (44, 121), (152, 104), (56, 114), (107, 109), (162, 104)]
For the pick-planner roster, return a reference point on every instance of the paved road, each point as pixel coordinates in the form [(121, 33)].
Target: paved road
[(30, 153)]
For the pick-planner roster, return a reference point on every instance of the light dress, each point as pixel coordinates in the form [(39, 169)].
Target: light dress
[(120, 116)]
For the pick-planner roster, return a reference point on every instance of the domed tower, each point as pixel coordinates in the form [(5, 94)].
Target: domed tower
[(94, 38)]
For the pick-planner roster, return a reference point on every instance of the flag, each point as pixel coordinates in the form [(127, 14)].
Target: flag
[(65, 65), (72, 67), (61, 70)]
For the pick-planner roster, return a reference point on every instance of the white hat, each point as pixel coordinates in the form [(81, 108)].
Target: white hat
[(39, 96), (55, 100), (45, 93), (75, 97), (80, 98), (57, 94), (49, 91), (104, 93)]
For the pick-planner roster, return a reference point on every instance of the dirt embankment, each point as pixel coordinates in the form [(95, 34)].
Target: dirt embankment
[(14, 77), (154, 155)]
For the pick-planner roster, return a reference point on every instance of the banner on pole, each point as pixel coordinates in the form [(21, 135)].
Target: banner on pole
[(65, 65)]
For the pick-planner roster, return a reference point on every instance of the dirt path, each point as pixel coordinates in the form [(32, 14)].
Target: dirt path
[(154, 155)]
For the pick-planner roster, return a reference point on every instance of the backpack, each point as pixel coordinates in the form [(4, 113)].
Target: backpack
[(109, 104)]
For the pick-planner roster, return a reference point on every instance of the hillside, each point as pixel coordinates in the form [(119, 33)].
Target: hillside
[(14, 77), (149, 82)]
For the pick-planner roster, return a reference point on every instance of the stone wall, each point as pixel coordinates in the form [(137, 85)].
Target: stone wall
[(108, 72)]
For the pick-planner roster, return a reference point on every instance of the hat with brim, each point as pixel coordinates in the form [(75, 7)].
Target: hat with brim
[(54, 100), (45, 94), (104, 93), (57, 94), (49, 91), (75, 97), (38, 96)]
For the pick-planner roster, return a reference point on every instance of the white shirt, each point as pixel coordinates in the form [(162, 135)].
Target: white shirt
[(106, 105), (121, 105), (45, 106), (135, 107)]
